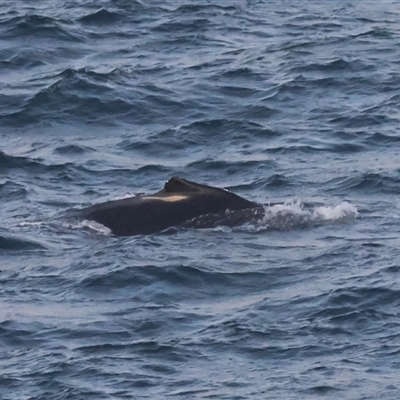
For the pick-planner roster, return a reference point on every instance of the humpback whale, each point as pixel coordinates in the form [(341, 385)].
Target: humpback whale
[(179, 202)]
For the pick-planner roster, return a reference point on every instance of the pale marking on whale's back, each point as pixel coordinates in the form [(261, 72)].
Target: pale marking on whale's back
[(169, 199)]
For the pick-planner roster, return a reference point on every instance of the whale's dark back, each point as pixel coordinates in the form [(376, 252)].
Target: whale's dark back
[(178, 202)]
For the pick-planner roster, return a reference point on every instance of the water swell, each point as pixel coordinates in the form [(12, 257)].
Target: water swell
[(91, 97), (163, 287), (32, 26), (11, 162), (10, 243), (12, 190), (102, 17), (369, 182)]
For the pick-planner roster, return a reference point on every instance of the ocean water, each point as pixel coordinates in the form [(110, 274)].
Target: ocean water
[(287, 102)]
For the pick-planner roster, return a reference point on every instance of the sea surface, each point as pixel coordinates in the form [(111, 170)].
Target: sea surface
[(288, 102)]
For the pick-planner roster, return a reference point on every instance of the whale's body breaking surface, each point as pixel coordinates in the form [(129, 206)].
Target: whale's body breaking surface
[(178, 202)]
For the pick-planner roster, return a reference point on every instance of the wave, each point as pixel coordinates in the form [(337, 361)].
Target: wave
[(11, 243), (71, 149), (338, 65), (39, 26), (369, 182), (7, 162), (101, 17), (141, 280), (12, 190), (91, 97)]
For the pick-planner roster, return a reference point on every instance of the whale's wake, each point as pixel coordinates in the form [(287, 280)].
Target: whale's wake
[(293, 214)]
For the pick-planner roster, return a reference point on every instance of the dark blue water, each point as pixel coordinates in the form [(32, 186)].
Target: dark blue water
[(287, 101)]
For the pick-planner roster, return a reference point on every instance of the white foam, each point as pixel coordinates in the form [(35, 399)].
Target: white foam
[(293, 214), (95, 226), (27, 223), (124, 196), (343, 210), (289, 207)]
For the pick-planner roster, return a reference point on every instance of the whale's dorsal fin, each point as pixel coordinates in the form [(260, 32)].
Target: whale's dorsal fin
[(179, 185)]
